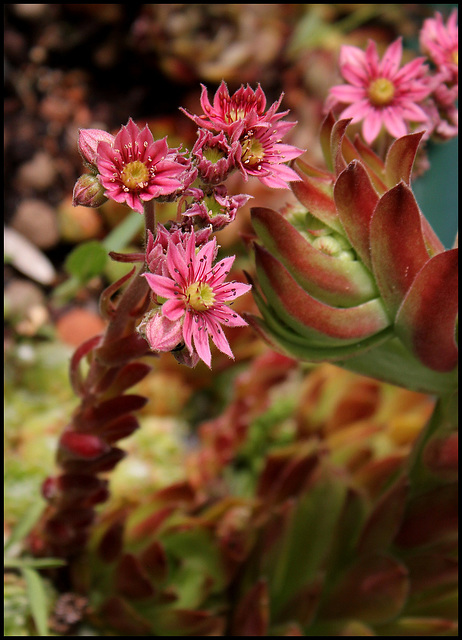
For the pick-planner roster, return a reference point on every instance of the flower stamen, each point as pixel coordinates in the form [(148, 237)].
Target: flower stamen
[(135, 175), (381, 92)]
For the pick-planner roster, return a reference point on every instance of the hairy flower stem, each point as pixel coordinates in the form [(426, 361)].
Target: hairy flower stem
[(105, 414)]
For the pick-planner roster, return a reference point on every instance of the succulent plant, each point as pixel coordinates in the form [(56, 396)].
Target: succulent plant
[(355, 275), (331, 537)]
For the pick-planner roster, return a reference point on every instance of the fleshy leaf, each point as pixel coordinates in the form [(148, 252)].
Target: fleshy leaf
[(400, 159), (374, 164), (324, 137), (315, 193), (426, 320), (398, 249), (424, 626), (252, 613), (321, 323), (336, 140), (385, 519), (123, 617), (356, 199), (131, 580), (431, 517), (343, 282), (373, 590)]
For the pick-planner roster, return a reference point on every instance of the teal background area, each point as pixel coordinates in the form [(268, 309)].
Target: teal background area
[(437, 190)]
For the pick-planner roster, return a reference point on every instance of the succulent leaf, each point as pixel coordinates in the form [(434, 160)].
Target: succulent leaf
[(426, 319), (374, 590), (356, 199), (329, 279), (315, 193), (323, 324), (398, 248), (400, 159)]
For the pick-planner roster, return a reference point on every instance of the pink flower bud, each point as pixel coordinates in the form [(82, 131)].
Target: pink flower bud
[(88, 192), (88, 143), (161, 333)]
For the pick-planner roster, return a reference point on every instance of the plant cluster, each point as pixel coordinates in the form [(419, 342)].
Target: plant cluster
[(318, 503)]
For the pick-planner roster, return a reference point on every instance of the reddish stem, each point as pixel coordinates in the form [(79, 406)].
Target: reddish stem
[(105, 415)]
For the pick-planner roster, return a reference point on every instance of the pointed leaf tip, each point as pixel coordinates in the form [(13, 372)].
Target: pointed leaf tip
[(426, 320), (398, 248)]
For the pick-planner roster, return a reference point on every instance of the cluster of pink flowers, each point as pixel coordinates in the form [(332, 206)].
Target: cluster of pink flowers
[(384, 95), (192, 298)]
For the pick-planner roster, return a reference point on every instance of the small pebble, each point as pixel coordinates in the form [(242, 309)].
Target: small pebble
[(37, 222)]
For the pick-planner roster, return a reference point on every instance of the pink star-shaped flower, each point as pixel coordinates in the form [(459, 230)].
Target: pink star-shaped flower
[(379, 92), (197, 296)]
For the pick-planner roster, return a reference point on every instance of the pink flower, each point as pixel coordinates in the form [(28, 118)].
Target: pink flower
[(263, 155), (218, 208), (156, 249), (241, 111), (242, 117), (379, 92), (196, 294), (441, 43), (134, 168), (215, 156)]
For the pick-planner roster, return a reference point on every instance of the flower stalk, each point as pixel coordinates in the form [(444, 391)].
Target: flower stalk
[(106, 414)]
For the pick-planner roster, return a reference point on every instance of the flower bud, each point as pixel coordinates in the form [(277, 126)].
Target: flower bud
[(161, 333), (88, 192), (89, 140)]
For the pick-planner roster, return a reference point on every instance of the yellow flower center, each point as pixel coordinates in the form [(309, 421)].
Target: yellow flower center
[(213, 154), (381, 92), (200, 296), (235, 113), (455, 57), (135, 175), (252, 151)]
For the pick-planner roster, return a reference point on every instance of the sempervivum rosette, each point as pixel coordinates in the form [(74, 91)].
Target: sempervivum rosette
[(355, 275)]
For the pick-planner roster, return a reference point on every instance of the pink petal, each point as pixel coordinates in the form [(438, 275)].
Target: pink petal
[(352, 60), (219, 338), (232, 290), (176, 264), (391, 59), (393, 122), (357, 110), (173, 309), (134, 202), (372, 59), (221, 270), (347, 93), (223, 314), (201, 343), (162, 286), (412, 111), (371, 125), (188, 330)]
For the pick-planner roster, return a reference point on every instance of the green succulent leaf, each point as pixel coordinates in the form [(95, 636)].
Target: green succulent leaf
[(321, 324), (343, 283), (37, 599)]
